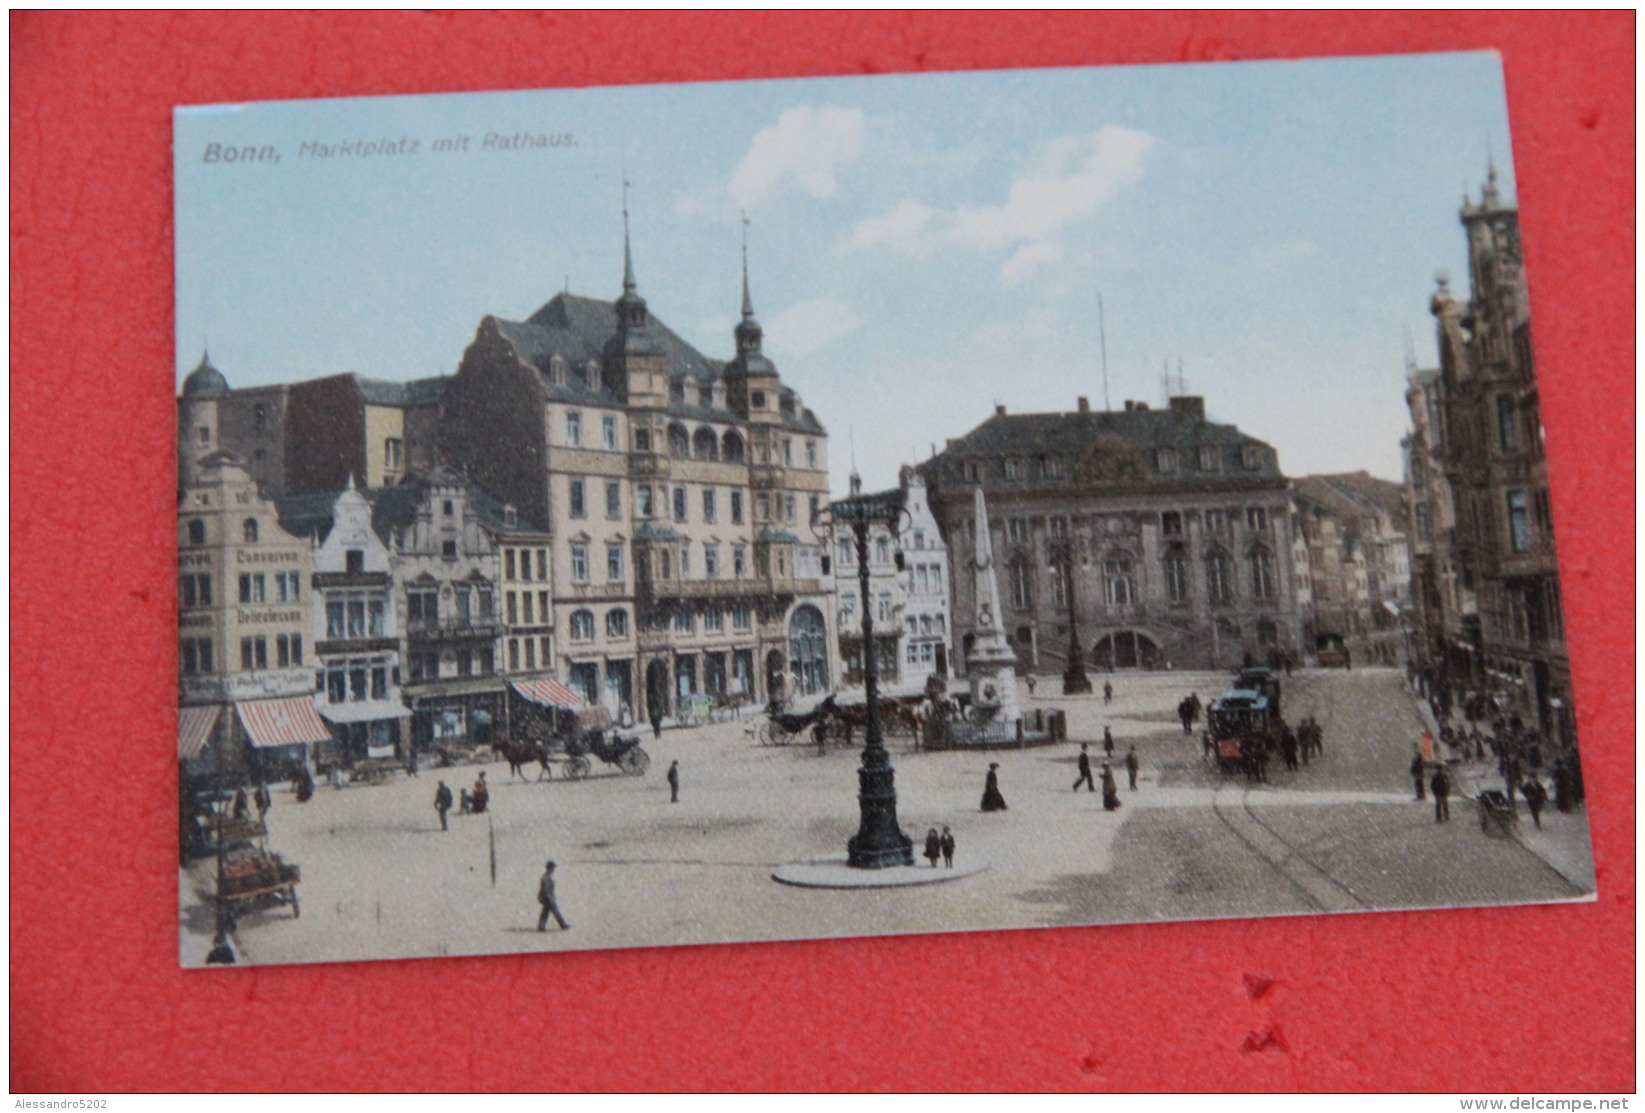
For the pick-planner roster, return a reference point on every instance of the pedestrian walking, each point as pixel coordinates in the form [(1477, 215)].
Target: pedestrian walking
[(1110, 790), (1536, 797), (1185, 712), (1441, 784), (1108, 741), (674, 782), (263, 801), (411, 762), (1288, 745), (545, 897), (1131, 765), (305, 785), (241, 808), (656, 721), (1418, 769), (465, 802), (947, 848), (992, 801), (442, 803), (933, 847), (1107, 692), (482, 794), (1193, 698), (1085, 770)]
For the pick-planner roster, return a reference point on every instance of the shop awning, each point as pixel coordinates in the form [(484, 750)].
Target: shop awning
[(550, 693), (364, 711), (282, 722), (194, 726)]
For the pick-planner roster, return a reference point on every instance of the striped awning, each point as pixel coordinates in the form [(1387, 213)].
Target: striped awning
[(194, 726), (550, 693), (282, 722)]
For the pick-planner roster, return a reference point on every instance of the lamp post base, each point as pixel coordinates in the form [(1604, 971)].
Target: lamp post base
[(879, 842)]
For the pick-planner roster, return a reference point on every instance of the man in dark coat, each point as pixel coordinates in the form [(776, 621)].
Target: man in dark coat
[(442, 803), (947, 848), (263, 800), (1085, 771), (1417, 771), (241, 809), (1107, 692), (1441, 784), (1185, 712), (1131, 765), (674, 783), (1108, 741), (656, 721), (1536, 797), (1288, 744), (545, 897), (933, 847), (992, 801)]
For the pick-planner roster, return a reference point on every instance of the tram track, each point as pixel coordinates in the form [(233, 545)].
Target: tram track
[(1320, 890)]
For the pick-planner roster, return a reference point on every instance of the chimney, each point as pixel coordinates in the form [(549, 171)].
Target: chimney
[(1085, 404), (999, 411), (1192, 405), (1129, 405)]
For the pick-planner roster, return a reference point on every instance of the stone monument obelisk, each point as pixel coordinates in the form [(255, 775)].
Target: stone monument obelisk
[(990, 665)]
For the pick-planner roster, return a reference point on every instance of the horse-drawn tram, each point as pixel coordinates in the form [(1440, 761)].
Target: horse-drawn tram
[(1241, 731)]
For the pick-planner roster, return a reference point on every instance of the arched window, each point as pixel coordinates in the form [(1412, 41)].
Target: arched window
[(1219, 576), (616, 623), (196, 532), (679, 442), (705, 445), (1176, 574), (582, 626), (732, 448), (1262, 574), (1119, 579), (250, 530)]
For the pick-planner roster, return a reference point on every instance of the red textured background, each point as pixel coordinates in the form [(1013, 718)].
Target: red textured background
[(1523, 999)]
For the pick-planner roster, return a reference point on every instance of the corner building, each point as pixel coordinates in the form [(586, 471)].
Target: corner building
[(678, 490), (1164, 537)]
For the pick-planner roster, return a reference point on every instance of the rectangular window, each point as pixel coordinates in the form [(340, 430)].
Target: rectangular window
[(762, 508), (679, 504), (614, 563), (1022, 585), (788, 453), (608, 433), (530, 653), (379, 682), (742, 618), (1013, 467), (936, 578), (354, 561), (525, 602), (510, 602), (334, 619), (790, 501), (579, 564), (1251, 457), (1017, 529), (613, 501), (185, 592), (685, 561), (714, 620), (811, 454), (1176, 577), (394, 452), (711, 562), (1256, 518), (736, 508), (1171, 523), (579, 505), (709, 509), (542, 607), (1208, 458), (374, 611), (1519, 526), (1216, 521), (251, 587), (573, 428), (1057, 526), (739, 562), (513, 654), (683, 623), (508, 564), (1166, 461), (1507, 423), (642, 500), (337, 686), (465, 604)]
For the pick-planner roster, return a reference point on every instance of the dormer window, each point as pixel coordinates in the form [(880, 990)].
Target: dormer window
[(1251, 457), (1013, 467), (689, 394), (591, 374), (1208, 458), (557, 370), (973, 471), (1165, 459)]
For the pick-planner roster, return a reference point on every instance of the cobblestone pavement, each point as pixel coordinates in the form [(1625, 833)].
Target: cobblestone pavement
[(381, 880)]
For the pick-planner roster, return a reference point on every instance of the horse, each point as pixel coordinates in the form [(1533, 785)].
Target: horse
[(520, 754)]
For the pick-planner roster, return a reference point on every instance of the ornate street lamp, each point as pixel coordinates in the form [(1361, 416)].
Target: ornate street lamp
[(1074, 680), (879, 843)]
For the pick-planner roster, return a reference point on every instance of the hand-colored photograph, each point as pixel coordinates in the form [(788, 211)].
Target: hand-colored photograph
[(860, 506)]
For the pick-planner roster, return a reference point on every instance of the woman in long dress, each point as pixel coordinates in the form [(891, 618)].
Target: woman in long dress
[(992, 801), (933, 847)]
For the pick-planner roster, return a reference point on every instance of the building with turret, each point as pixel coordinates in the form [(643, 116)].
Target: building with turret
[(1497, 629), (678, 490)]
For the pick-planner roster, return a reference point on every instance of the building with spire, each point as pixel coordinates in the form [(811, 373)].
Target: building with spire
[(678, 490), (1496, 637)]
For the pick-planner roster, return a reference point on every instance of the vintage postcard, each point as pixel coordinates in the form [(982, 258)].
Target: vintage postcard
[(755, 511)]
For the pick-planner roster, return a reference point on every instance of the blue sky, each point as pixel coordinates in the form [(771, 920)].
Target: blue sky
[(922, 247)]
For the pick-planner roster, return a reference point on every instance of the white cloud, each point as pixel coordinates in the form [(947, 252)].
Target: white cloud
[(1069, 180), (806, 326), (805, 146), (1027, 259), (902, 224)]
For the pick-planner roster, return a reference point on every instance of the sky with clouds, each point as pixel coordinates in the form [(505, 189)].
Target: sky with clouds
[(922, 247)]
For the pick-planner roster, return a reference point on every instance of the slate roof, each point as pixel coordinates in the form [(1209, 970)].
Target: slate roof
[(578, 330), (1350, 495), (1071, 435), (395, 508), (382, 392), (205, 381)]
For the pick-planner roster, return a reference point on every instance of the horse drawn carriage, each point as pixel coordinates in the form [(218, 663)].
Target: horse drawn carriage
[(842, 724), (580, 734)]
